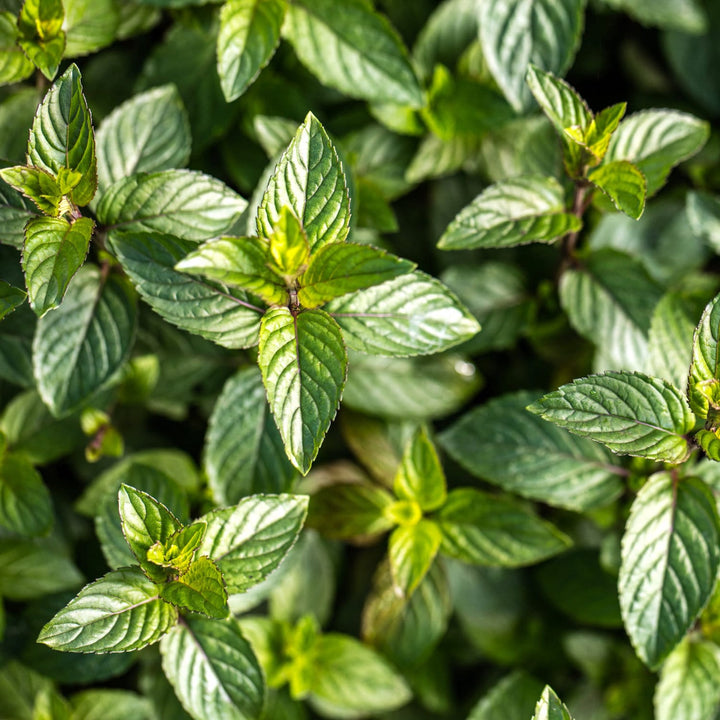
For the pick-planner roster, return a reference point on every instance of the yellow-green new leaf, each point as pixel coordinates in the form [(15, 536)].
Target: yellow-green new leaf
[(37, 185), (289, 247), (624, 184), (121, 611), (412, 550), (178, 550), (42, 37), (54, 251), (420, 476), (304, 364), (201, 589)]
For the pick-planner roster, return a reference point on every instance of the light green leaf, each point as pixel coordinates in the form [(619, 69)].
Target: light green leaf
[(109, 704), (513, 212), (420, 476), (349, 680), (687, 687), (41, 36), (687, 16), (148, 133), (703, 214), (273, 133), (89, 25), (411, 551), (62, 135), (225, 317), (178, 550), (289, 247), (436, 157), (705, 364), (25, 503), (504, 444), (512, 698), (54, 251), (243, 451), (37, 185), (423, 388), (610, 301), (630, 413), (238, 261), (624, 184), (515, 33), (354, 49), (33, 568), (341, 268), (550, 707), (213, 670), (413, 314), (248, 37), (80, 346), (656, 141), (15, 211), (119, 612), (201, 589), (184, 203), (491, 530), (309, 179), (14, 64), (249, 541), (10, 298), (304, 363), (670, 561)]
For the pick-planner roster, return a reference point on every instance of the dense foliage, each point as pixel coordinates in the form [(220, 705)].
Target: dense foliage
[(359, 360)]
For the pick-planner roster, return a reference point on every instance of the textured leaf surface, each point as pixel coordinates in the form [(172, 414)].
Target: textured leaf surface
[(688, 687), (669, 564), (624, 184), (504, 444), (490, 530), (213, 670), (705, 363), (54, 251), (243, 449), (250, 540), (36, 185), (249, 35), (630, 413), (550, 707), (413, 314), (25, 504), (15, 211), (309, 179), (513, 212), (193, 304), (411, 551), (62, 135), (201, 589), (303, 363), (148, 133), (184, 203), (119, 612), (354, 49), (656, 141), (515, 33), (83, 343)]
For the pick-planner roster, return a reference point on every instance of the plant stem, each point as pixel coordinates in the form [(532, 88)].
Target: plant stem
[(581, 202)]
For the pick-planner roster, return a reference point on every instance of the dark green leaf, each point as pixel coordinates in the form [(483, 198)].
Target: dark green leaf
[(25, 504), (513, 698), (15, 211), (687, 16), (10, 298)]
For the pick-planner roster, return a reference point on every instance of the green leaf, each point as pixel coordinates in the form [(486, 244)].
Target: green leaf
[(423, 388), (90, 25), (250, 540), (630, 413), (304, 363), (54, 251), (25, 503), (178, 549), (213, 670), (514, 212), (37, 185), (308, 179), (201, 589), (184, 203), (351, 511), (248, 37), (148, 133), (705, 364), (515, 33), (624, 184), (512, 698), (14, 64), (83, 343), (273, 133), (413, 314), (687, 16), (411, 551), (225, 317), (33, 568), (62, 135), (656, 141), (341, 268), (687, 688), (610, 301), (550, 707), (145, 521), (19, 686), (10, 298), (490, 530), (504, 444), (703, 214), (420, 476), (16, 338), (669, 564), (243, 451), (238, 261), (354, 49), (289, 246), (109, 704), (42, 38), (15, 211)]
